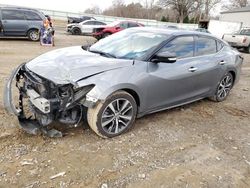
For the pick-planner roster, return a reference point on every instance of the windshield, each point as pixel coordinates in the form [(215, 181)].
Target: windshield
[(245, 32), (129, 44)]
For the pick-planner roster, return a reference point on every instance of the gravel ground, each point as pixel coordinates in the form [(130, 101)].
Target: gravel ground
[(204, 144)]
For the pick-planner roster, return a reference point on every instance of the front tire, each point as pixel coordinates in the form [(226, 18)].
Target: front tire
[(33, 35), (76, 31), (114, 116), (224, 88), (106, 35)]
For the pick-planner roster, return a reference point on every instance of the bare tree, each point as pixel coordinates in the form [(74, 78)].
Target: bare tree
[(236, 4), (182, 7), (93, 10), (209, 5), (149, 5)]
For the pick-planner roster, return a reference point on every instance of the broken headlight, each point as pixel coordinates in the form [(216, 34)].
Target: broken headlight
[(70, 96)]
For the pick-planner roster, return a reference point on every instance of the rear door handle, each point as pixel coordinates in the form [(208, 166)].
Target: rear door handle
[(222, 62), (192, 69)]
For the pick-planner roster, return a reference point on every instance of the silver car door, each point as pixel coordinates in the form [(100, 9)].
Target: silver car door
[(211, 62), (170, 84)]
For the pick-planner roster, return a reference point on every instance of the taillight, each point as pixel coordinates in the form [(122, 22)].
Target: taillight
[(244, 40)]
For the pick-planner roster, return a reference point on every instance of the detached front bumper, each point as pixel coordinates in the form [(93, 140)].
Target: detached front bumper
[(29, 125), (47, 102)]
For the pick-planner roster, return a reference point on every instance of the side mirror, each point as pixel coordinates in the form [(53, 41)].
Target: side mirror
[(164, 57), (86, 47), (117, 27)]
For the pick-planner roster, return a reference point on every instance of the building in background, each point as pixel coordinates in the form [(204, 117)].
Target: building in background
[(237, 15)]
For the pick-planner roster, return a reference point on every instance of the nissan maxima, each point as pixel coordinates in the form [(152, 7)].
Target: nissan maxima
[(132, 73)]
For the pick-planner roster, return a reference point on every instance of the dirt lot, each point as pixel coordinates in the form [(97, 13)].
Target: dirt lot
[(204, 144)]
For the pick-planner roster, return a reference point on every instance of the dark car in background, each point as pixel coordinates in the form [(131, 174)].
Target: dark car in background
[(114, 27), (20, 22), (79, 19)]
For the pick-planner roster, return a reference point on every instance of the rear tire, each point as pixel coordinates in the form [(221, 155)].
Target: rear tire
[(113, 117), (223, 88), (33, 35), (247, 49)]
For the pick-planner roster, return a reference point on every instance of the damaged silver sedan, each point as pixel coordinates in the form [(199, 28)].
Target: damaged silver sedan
[(130, 74)]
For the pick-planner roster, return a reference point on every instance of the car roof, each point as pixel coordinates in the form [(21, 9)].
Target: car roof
[(91, 21), (173, 32), (17, 8)]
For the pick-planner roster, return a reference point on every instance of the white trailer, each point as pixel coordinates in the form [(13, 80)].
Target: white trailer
[(219, 28)]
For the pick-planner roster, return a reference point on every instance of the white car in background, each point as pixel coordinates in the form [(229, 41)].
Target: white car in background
[(85, 27)]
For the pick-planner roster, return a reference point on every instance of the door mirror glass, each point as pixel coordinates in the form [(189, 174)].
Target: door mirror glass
[(164, 57)]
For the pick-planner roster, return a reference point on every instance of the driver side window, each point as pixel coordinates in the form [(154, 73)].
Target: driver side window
[(123, 25), (181, 47)]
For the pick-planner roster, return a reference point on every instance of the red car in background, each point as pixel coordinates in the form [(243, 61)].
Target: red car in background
[(114, 27)]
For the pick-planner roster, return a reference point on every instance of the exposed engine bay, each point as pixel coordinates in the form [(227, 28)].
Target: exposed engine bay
[(47, 102)]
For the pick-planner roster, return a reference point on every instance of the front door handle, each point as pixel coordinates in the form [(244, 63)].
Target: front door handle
[(192, 69), (222, 62)]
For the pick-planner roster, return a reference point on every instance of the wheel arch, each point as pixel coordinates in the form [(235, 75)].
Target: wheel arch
[(76, 27), (129, 88), (233, 73), (134, 94), (32, 28)]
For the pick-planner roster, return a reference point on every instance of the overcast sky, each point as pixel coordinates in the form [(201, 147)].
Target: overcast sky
[(64, 5), (74, 5)]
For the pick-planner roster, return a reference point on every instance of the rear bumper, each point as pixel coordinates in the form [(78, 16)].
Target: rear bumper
[(238, 45)]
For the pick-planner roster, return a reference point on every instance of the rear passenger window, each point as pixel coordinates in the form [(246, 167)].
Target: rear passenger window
[(32, 16), (205, 46), (99, 23), (90, 23), (12, 15), (181, 47), (124, 25)]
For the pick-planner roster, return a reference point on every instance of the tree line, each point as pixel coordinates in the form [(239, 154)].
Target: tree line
[(181, 11)]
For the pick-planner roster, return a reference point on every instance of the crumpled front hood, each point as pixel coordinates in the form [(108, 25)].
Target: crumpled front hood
[(67, 65)]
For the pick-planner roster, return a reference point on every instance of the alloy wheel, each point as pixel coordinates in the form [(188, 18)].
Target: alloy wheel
[(34, 35), (224, 87), (117, 116)]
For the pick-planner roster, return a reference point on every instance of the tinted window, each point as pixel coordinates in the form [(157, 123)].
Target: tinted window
[(123, 25), (181, 47), (205, 46), (245, 32), (131, 24), (32, 16), (99, 23), (12, 15), (90, 23)]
